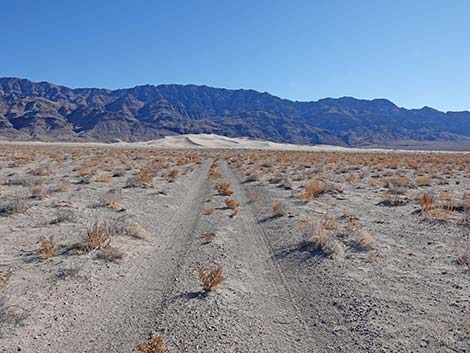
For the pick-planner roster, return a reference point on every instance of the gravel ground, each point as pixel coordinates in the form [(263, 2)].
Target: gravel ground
[(401, 291)]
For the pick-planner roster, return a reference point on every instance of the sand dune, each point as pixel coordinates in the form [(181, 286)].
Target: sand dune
[(218, 141)]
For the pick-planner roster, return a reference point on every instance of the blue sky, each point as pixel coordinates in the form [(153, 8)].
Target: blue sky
[(413, 52)]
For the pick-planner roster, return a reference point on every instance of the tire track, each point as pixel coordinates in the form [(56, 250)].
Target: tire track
[(307, 343), (125, 312)]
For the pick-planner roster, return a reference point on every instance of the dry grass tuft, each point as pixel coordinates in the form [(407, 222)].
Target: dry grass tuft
[(329, 223), (208, 238), (14, 206), (224, 189), (146, 177), (320, 240), (63, 186), (463, 258), (279, 209), (437, 214), (98, 236), (312, 189), (109, 254), (214, 175), (210, 278), (111, 202), (207, 211), (135, 230), (152, 345), (364, 241), (38, 192), (231, 203), (171, 176), (85, 171), (426, 202), (104, 178), (446, 195), (423, 181), (48, 248), (5, 278)]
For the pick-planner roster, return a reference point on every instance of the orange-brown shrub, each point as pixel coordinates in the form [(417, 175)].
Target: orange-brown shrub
[(232, 204), (210, 278), (48, 248), (152, 345), (224, 189)]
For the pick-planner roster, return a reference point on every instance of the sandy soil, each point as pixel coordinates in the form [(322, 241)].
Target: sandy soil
[(403, 288)]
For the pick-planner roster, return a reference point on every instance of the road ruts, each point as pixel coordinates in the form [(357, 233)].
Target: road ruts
[(304, 338), (125, 315)]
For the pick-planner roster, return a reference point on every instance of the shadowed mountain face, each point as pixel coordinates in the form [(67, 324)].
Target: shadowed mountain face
[(46, 111)]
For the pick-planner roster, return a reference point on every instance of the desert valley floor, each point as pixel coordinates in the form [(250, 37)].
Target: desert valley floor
[(121, 249)]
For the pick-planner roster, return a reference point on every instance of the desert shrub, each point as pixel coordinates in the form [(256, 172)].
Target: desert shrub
[(427, 202), (145, 177), (104, 178), (210, 278), (11, 207), (397, 182), (207, 211), (109, 254), (251, 177), (152, 345), (223, 188), (437, 214), (234, 214), (63, 186), (312, 189), (319, 239), (423, 181), (134, 230), (5, 278), (276, 179), (40, 171), (208, 238), (463, 258), (232, 204), (214, 165), (19, 181), (85, 171), (112, 202), (279, 209), (392, 199), (171, 176), (63, 215), (38, 191), (329, 223), (446, 195), (364, 241), (48, 248), (286, 183), (67, 272), (98, 236), (214, 175)]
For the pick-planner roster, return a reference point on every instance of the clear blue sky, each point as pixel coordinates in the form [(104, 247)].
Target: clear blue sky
[(414, 52)]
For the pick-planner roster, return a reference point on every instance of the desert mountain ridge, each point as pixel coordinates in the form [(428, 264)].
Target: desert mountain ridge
[(48, 112)]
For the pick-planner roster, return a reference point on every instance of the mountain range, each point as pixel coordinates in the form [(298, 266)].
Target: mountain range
[(49, 112)]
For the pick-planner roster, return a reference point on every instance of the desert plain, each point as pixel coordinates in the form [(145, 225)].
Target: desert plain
[(148, 249)]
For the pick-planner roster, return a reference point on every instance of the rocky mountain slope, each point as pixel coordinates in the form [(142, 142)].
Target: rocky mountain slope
[(45, 111)]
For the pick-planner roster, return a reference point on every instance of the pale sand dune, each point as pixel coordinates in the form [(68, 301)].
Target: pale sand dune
[(218, 141), (213, 141)]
